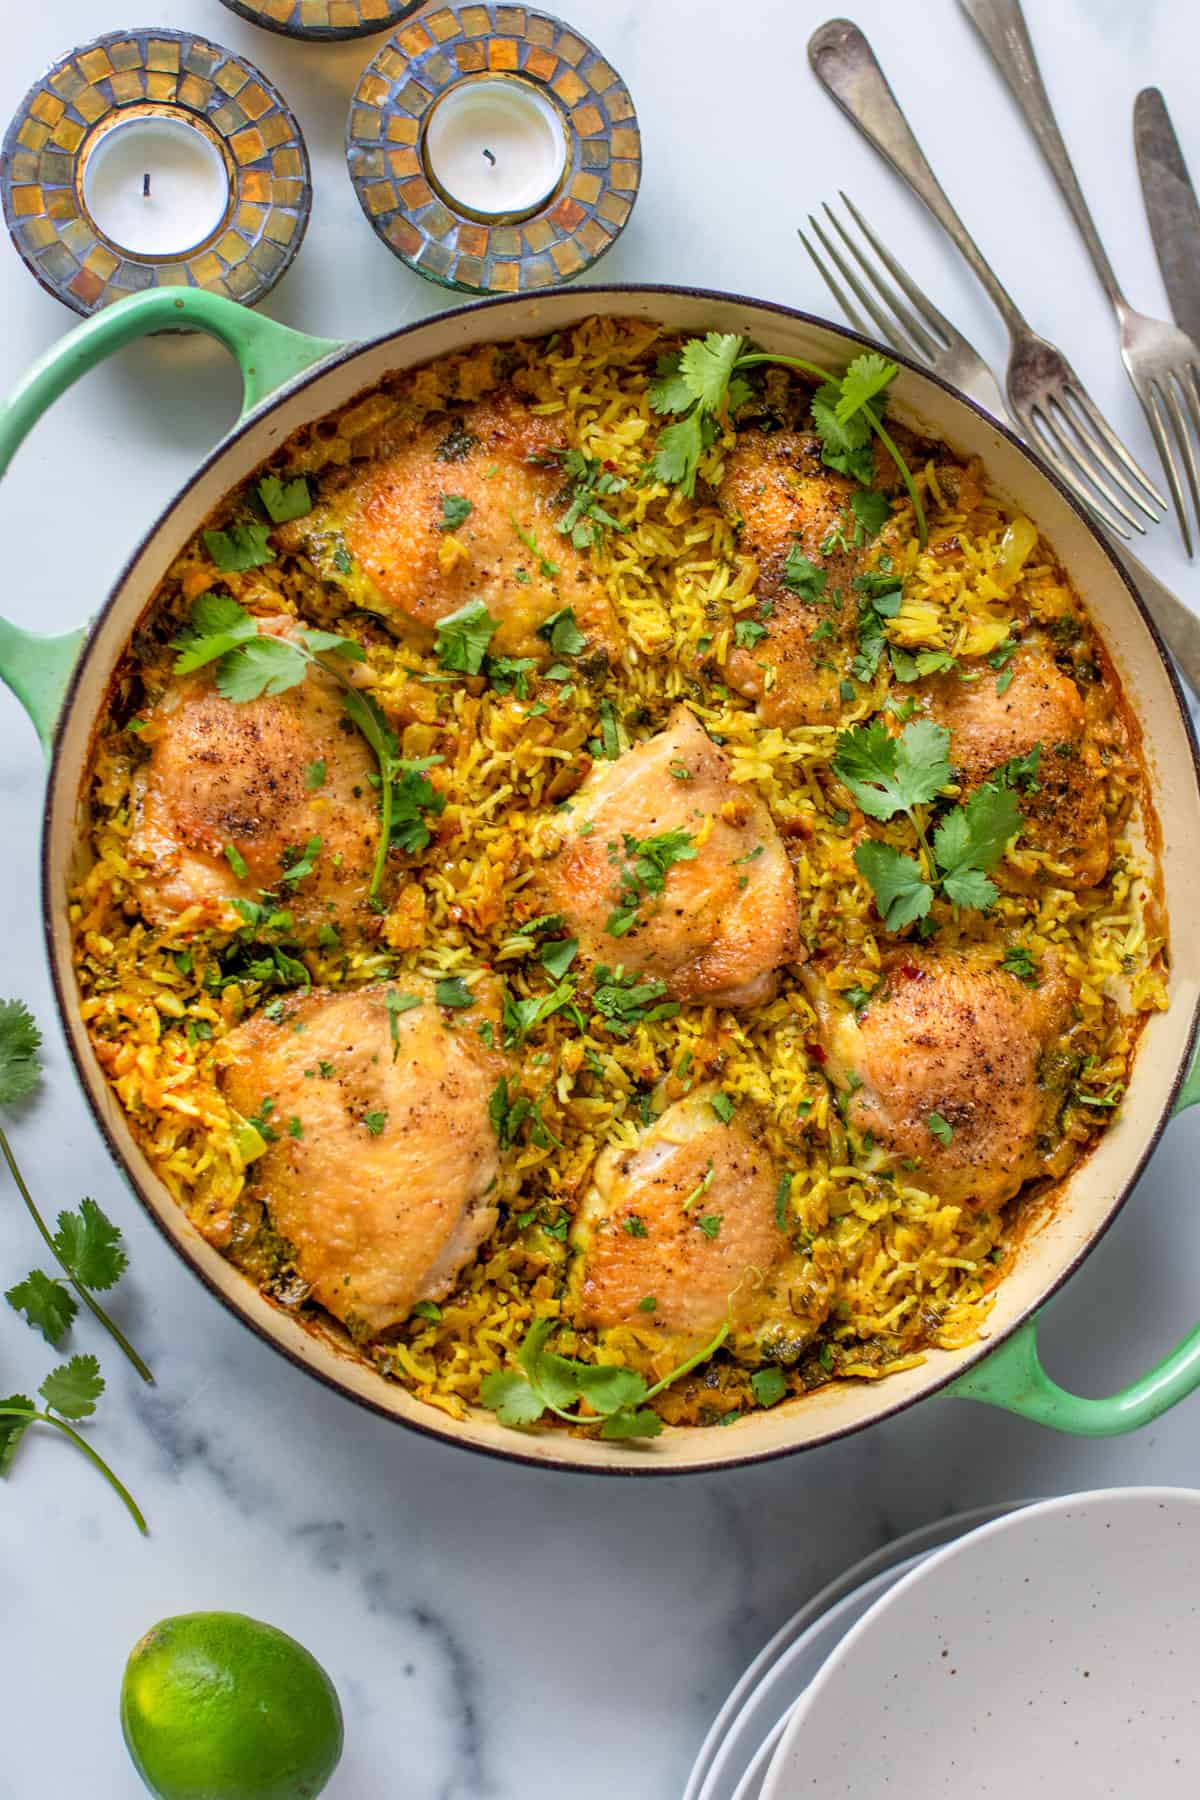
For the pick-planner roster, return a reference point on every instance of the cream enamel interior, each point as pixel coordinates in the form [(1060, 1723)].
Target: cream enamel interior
[(1088, 1201)]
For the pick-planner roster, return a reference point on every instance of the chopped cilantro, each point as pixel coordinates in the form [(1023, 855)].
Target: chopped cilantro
[(585, 520), (634, 1225), (509, 674), (236, 861), (300, 863), (644, 872), (769, 1385), (939, 1128), (871, 510), (397, 1004), (802, 576), (562, 633), (748, 633), (456, 510), (453, 991), (242, 546), (556, 958), (610, 741), (284, 500), (724, 1106), (623, 1001), (463, 637), (1020, 961), (314, 774), (710, 1224), (548, 569), (375, 1122)]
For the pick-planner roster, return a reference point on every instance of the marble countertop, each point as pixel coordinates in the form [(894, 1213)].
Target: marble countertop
[(495, 1631)]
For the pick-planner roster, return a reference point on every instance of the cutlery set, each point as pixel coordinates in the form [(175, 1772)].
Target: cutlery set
[(1042, 396)]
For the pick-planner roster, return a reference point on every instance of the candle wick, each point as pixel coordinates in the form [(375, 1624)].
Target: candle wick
[(145, 187), (490, 157)]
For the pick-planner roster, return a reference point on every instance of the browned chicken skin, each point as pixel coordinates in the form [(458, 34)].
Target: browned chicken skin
[(383, 1186), (776, 486), (235, 777), (499, 457), (726, 917), (1064, 813), (953, 1038), (688, 1167)]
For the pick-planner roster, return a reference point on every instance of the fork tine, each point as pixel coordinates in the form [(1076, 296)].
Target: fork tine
[(933, 318), (1045, 426), (854, 319), (884, 327), (886, 292), (1156, 403), (1083, 400), (1037, 432), (1095, 435)]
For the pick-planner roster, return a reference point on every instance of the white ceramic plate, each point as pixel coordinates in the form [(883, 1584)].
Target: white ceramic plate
[(759, 1703), (1050, 1654)]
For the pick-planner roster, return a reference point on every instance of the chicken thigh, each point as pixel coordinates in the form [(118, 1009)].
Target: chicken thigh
[(674, 870), (381, 1163)]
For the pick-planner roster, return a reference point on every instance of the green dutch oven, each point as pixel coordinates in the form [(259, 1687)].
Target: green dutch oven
[(289, 380)]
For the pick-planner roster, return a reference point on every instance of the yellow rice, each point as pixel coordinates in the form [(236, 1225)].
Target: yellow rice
[(902, 1270)]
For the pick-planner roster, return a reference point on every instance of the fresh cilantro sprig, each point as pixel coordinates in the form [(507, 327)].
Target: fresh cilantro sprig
[(70, 1392), (546, 1382), (706, 378), (249, 662), (889, 775), (86, 1246)]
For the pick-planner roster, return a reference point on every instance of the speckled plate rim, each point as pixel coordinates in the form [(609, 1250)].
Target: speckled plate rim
[(887, 1560), (1022, 1519), (833, 1413)]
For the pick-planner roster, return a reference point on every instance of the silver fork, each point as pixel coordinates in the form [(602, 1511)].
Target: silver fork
[(906, 318), (1162, 362), (1045, 394)]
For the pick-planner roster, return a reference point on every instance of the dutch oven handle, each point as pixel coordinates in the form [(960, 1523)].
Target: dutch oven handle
[(36, 667), (1013, 1377)]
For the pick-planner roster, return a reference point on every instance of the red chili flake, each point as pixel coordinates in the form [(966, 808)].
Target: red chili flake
[(817, 1053)]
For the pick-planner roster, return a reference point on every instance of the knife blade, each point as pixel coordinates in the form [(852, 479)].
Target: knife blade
[(1171, 207)]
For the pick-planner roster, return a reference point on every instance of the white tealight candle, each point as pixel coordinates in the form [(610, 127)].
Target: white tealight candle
[(496, 146), (155, 186)]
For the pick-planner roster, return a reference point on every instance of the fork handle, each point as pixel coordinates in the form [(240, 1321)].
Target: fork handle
[(845, 65), (1001, 25)]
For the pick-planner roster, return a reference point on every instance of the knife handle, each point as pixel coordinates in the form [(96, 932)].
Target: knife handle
[(1001, 25), (845, 64)]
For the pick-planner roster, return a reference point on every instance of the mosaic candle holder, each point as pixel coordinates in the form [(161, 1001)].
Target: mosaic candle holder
[(153, 75), (435, 234), (324, 21)]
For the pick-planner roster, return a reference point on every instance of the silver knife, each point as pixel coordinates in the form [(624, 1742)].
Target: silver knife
[(1171, 207)]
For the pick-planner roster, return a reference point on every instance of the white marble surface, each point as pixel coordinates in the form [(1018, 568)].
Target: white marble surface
[(493, 1631)]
